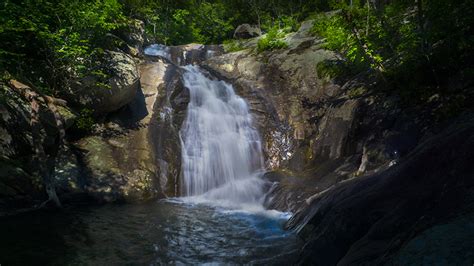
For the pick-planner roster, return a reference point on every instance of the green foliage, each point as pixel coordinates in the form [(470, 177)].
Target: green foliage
[(213, 21), (339, 37), (232, 46), (85, 121), (331, 69), (288, 23), (271, 41), (356, 92), (210, 24), (413, 47), (52, 42)]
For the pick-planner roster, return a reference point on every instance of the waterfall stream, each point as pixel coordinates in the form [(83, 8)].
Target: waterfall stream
[(221, 150)]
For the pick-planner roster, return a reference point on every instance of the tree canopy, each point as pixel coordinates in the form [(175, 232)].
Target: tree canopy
[(48, 41)]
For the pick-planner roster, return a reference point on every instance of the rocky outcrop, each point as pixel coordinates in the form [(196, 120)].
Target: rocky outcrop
[(372, 220), (40, 166), (171, 111), (318, 130), (119, 158), (105, 97), (247, 31), (28, 159), (135, 154)]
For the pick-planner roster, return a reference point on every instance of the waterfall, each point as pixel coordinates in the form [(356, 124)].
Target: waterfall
[(221, 150)]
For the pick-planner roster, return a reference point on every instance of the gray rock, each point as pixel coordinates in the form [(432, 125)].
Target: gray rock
[(247, 31), (122, 86)]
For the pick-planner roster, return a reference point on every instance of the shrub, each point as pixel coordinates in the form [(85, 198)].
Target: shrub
[(273, 40), (232, 46), (85, 122)]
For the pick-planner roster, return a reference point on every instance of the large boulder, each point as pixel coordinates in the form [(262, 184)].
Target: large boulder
[(247, 31), (135, 154), (119, 159), (26, 157), (389, 218), (105, 97)]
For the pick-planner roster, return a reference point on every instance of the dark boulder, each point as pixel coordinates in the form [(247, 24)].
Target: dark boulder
[(370, 219), (31, 130), (247, 31)]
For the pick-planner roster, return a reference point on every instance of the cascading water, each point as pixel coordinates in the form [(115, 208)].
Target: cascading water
[(221, 150)]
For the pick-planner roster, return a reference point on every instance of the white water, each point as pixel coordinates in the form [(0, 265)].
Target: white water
[(221, 149)]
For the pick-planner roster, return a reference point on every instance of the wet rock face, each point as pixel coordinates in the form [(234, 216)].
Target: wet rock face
[(276, 85), (170, 113), (169, 110)]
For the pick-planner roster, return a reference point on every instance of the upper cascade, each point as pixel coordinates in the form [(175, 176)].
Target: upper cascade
[(184, 54)]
